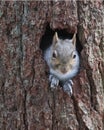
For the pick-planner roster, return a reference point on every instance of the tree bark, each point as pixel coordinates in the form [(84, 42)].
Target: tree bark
[(26, 101)]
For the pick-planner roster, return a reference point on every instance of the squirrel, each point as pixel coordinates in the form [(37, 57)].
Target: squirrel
[(63, 61)]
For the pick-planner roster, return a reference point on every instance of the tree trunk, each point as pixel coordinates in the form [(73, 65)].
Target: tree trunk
[(26, 100)]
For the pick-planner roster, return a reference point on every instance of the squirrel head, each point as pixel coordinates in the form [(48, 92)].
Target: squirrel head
[(64, 55)]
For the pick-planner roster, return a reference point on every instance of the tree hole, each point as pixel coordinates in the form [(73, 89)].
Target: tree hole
[(46, 40)]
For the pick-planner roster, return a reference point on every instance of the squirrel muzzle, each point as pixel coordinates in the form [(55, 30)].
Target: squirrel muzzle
[(63, 70)]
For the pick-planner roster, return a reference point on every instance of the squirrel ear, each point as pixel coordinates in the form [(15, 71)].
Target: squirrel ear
[(55, 38), (74, 39)]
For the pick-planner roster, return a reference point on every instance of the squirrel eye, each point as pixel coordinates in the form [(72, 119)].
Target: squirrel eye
[(54, 54), (74, 56)]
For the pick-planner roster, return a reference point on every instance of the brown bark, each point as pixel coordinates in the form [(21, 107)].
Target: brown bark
[(26, 101)]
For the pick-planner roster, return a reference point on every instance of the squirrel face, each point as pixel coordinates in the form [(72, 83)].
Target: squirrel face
[(64, 57)]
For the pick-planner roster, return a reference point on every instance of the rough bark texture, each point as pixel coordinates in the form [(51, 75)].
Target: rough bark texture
[(26, 101)]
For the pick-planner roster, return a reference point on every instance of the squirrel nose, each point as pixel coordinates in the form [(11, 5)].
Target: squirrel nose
[(63, 70)]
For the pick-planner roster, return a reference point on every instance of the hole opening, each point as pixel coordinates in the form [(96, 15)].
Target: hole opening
[(46, 39)]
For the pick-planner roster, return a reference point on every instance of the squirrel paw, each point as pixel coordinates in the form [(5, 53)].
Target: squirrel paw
[(68, 87), (54, 81)]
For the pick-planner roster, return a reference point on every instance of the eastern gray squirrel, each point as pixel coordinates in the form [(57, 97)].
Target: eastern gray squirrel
[(63, 61)]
